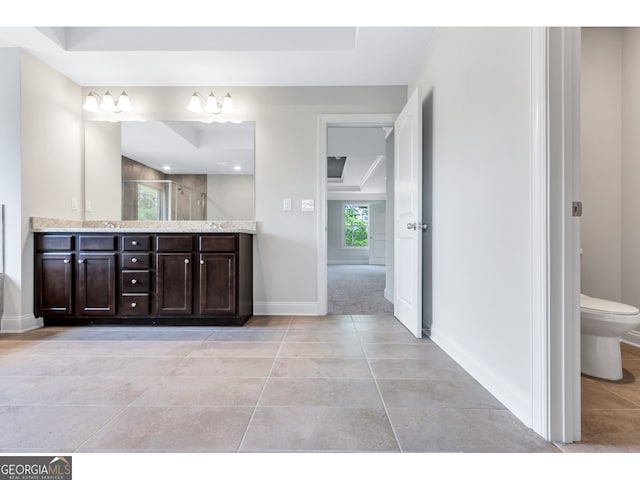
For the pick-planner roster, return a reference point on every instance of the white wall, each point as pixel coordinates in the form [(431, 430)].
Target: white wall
[(481, 205), (42, 168), (631, 167), (230, 197), (286, 160), (601, 162), (10, 179), (103, 171)]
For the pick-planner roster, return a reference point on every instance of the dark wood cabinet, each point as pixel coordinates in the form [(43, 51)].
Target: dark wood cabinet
[(173, 279), (96, 283), (54, 283), (217, 283)]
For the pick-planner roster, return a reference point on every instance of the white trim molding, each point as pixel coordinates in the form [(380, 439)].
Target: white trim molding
[(539, 228), (285, 308), (20, 324)]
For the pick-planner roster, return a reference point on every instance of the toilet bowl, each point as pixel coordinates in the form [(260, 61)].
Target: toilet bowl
[(602, 323)]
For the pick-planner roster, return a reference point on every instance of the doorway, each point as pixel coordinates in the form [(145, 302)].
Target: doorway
[(355, 258)]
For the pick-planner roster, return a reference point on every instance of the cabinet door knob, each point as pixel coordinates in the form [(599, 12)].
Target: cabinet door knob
[(66, 260), (201, 262), (134, 281), (186, 260), (134, 260), (134, 242), (81, 260), (134, 304)]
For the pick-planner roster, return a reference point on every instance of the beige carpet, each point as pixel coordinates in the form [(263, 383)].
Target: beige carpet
[(357, 289)]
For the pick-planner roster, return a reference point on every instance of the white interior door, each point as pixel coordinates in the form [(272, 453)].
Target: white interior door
[(377, 234), (407, 295)]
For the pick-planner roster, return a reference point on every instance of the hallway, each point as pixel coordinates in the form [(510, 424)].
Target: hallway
[(357, 289), (348, 383)]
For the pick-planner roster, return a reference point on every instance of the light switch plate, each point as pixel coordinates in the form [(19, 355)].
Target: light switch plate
[(286, 205), (307, 206), (74, 203)]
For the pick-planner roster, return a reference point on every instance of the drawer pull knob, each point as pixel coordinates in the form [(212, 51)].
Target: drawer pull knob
[(134, 304), (186, 260), (134, 260), (134, 243), (134, 281)]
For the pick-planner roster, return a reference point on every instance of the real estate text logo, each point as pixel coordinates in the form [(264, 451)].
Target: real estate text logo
[(35, 468)]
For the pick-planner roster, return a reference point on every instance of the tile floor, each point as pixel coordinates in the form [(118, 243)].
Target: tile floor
[(611, 410), (344, 383)]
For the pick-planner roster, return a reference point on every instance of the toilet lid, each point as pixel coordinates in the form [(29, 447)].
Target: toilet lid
[(606, 306)]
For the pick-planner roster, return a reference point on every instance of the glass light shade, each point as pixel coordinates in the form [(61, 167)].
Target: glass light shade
[(227, 106), (91, 103), (194, 104), (212, 105), (124, 104), (108, 105)]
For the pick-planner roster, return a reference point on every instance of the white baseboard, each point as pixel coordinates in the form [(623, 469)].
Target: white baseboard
[(388, 294), (20, 324), (348, 262), (516, 401), (632, 338), (285, 308)]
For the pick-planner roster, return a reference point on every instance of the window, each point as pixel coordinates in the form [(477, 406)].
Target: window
[(356, 226), (149, 203)]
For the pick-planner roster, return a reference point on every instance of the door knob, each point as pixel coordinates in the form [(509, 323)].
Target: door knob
[(418, 225)]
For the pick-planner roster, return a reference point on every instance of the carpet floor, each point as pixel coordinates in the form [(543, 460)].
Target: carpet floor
[(357, 289)]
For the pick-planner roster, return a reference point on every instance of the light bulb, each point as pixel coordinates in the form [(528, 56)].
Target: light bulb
[(227, 106), (108, 105), (194, 104), (212, 104), (124, 104), (91, 103)]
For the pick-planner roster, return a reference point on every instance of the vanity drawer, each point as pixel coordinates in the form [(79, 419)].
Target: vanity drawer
[(174, 243), (102, 243), (54, 242), (218, 243), (136, 243), (134, 305), (135, 282), (135, 261)]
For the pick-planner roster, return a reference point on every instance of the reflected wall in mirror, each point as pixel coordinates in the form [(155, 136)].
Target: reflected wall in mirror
[(169, 170)]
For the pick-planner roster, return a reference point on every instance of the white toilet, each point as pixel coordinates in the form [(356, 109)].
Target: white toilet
[(602, 323)]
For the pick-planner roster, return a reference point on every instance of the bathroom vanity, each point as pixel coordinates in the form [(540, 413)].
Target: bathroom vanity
[(170, 273)]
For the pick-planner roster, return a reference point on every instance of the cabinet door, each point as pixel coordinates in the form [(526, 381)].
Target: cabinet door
[(96, 289), (218, 284), (54, 284), (174, 284)]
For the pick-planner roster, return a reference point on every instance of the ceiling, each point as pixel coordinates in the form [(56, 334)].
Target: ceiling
[(191, 147), (227, 56)]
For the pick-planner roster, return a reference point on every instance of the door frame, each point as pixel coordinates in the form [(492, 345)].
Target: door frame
[(555, 234), (325, 121)]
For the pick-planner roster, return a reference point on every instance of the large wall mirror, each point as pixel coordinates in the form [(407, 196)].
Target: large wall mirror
[(169, 170)]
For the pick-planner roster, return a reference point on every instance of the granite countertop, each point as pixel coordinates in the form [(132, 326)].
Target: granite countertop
[(39, 224)]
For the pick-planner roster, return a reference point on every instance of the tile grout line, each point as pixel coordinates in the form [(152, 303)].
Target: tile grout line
[(264, 386), (125, 407), (375, 380)]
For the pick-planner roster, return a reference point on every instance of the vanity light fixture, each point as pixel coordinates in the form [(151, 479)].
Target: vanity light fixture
[(212, 105), (107, 103)]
